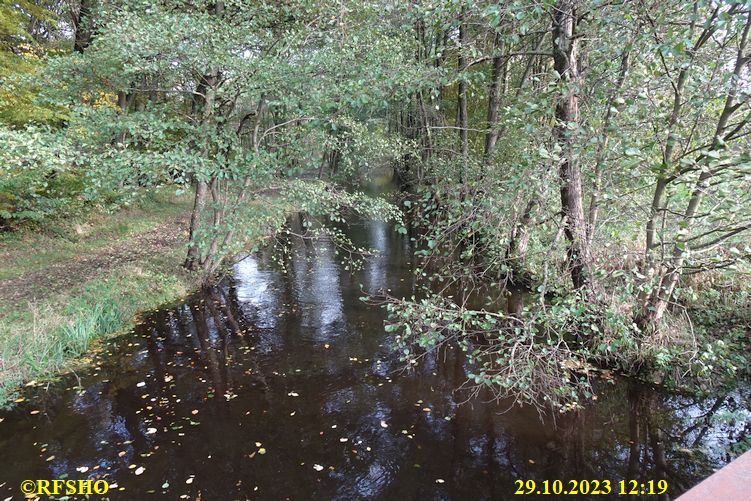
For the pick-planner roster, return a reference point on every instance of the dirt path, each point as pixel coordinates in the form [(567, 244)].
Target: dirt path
[(75, 272)]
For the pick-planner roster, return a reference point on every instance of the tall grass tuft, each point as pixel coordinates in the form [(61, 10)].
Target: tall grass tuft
[(44, 339)]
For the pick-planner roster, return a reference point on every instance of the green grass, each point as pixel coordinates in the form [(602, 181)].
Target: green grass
[(48, 334), (44, 339), (65, 239), (41, 338)]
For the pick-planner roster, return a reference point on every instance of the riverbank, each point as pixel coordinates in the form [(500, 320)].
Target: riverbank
[(284, 359), (65, 285)]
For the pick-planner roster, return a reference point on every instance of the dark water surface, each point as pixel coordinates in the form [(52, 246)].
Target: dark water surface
[(279, 385)]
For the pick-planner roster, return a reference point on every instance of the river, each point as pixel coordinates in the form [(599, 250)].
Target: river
[(279, 383)]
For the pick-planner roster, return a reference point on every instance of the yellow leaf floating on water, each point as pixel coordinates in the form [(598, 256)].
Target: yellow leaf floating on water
[(140, 470), (261, 451)]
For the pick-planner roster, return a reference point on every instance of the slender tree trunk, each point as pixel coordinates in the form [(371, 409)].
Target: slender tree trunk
[(82, 26), (496, 82), (658, 208), (203, 109), (461, 114), (654, 309), (192, 261), (565, 56), (516, 252), (602, 146)]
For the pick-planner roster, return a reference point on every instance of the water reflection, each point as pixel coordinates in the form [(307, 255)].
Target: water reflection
[(283, 357)]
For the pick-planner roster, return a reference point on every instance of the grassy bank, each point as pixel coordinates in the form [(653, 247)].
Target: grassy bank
[(68, 283)]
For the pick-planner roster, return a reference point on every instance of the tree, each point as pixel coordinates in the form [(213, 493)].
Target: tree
[(566, 65)]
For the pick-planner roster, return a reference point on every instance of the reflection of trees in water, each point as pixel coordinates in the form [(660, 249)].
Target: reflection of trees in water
[(217, 319), (654, 440), (649, 441), (206, 345)]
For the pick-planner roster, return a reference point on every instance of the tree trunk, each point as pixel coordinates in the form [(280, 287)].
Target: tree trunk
[(193, 260), (496, 82), (82, 26), (565, 55), (602, 146), (461, 112), (654, 309), (203, 109)]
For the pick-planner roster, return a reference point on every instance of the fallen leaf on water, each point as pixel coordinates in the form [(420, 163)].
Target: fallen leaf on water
[(50, 458), (343, 439), (82, 469), (34, 412), (19, 400), (261, 451), (140, 470), (194, 411), (317, 467), (151, 431), (141, 384), (439, 480), (383, 424), (293, 394), (189, 480), (121, 453)]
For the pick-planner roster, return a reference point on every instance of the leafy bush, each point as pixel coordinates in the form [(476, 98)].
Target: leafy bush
[(37, 178)]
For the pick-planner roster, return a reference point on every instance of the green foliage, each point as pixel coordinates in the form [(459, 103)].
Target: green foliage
[(22, 59), (36, 175), (264, 108)]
